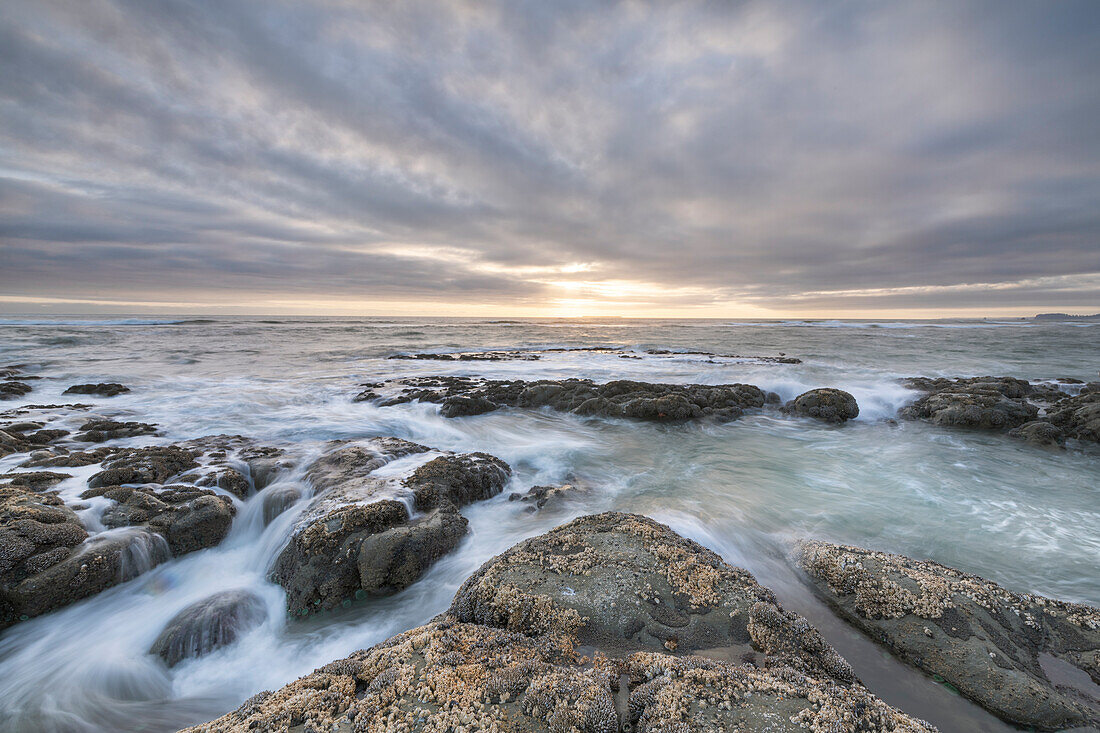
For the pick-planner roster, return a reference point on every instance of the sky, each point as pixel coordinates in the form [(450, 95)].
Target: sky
[(671, 159)]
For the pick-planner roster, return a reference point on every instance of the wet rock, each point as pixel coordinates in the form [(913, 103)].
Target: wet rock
[(100, 562), (228, 479), (539, 496), (153, 465), (1079, 416), (456, 675), (622, 582), (75, 459), (100, 430), (1040, 433), (188, 518), (265, 463), (103, 389), (827, 404), (34, 480), (985, 402), (12, 390), (356, 538), (984, 639), (209, 624), (618, 399), (278, 499)]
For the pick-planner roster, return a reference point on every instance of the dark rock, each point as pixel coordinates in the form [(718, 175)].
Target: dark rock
[(539, 496), (228, 479), (622, 582), (827, 404), (982, 638), (209, 624), (188, 518), (75, 459), (1079, 416), (356, 537), (103, 389), (35, 480), (278, 499), (153, 465), (99, 430), (13, 390), (1010, 387), (772, 398), (1040, 433), (619, 399), (985, 402)]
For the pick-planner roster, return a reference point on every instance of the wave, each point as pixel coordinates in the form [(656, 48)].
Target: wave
[(94, 322)]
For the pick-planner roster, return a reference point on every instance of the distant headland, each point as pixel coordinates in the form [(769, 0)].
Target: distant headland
[(1065, 317)]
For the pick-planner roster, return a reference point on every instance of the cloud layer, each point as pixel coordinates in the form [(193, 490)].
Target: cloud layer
[(635, 158)]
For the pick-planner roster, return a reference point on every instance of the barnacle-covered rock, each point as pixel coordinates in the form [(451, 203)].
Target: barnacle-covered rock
[(987, 641), (357, 537), (826, 404), (626, 582), (189, 518)]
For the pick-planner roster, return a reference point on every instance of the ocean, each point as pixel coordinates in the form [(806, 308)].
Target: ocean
[(1023, 516)]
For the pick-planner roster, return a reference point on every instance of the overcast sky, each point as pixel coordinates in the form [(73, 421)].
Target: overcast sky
[(550, 158)]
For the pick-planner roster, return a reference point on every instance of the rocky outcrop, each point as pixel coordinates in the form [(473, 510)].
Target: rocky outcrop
[(209, 624), (188, 518), (993, 645), (24, 436), (1040, 433), (537, 497), (463, 396), (103, 389), (1079, 416), (101, 430), (34, 480), (454, 674), (826, 404), (48, 561), (622, 582), (357, 537), (153, 465), (67, 459), (989, 403), (11, 390)]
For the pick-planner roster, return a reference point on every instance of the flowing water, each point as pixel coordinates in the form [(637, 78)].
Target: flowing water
[(1022, 516)]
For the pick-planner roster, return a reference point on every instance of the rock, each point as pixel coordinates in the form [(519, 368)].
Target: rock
[(35, 480), (622, 582), (1010, 387), (1040, 433), (619, 399), (12, 390), (278, 499), (1079, 416), (229, 479), (209, 624), (456, 675), (827, 404), (356, 538), (985, 640), (101, 562), (188, 518), (973, 406), (76, 459), (103, 389), (772, 398), (153, 465), (539, 496), (98, 430)]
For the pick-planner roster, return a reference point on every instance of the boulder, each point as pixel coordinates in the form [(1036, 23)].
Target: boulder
[(189, 518), (1040, 433), (539, 496), (971, 407), (228, 479), (461, 396), (1079, 416), (103, 389), (452, 674), (153, 465), (826, 404), (988, 642), (623, 582), (209, 624), (357, 537), (100, 430), (34, 480), (12, 390)]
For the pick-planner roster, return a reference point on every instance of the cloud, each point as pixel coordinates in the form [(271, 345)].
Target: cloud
[(701, 158)]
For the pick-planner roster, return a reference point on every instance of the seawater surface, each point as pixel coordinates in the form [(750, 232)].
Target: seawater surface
[(1024, 517)]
